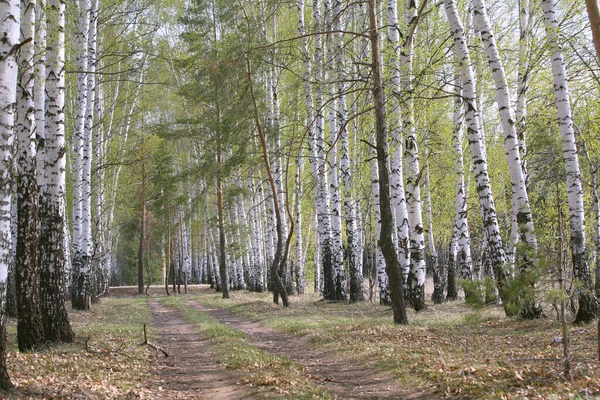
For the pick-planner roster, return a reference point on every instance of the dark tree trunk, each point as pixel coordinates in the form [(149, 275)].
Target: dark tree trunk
[(5, 383), (55, 318), (280, 258), (10, 307), (392, 264), (29, 322)]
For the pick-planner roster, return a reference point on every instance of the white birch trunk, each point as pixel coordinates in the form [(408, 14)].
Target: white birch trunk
[(248, 246), (520, 199), (581, 268), (299, 234), (81, 61), (478, 153), (87, 151), (525, 29), (53, 188), (416, 276), (337, 110), (323, 209), (79, 291), (382, 278), (461, 245), (396, 171), (39, 95), (10, 16), (438, 294)]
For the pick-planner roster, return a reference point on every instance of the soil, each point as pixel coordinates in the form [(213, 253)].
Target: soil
[(341, 377), (191, 372)]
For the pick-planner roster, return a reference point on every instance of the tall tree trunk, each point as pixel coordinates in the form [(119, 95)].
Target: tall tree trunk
[(525, 29), (221, 220), (322, 200), (438, 276), (337, 129), (452, 293), (581, 268), (299, 235), (10, 16), (52, 261), (87, 151), (29, 323), (530, 308), (280, 252), (79, 291), (397, 174), (461, 241), (140, 261), (382, 277), (416, 275), (478, 153), (309, 121), (387, 229)]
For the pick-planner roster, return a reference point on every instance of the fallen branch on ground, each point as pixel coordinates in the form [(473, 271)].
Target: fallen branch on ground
[(151, 345)]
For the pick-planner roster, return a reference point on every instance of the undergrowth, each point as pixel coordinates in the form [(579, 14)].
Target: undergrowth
[(450, 347), (102, 362)]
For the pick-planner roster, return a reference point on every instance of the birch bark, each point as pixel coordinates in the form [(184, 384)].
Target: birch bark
[(323, 209), (53, 188), (79, 291), (29, 322), (9, 30), (461, 238), (581, 268), (337, 128), (396, 172), (478, 153)]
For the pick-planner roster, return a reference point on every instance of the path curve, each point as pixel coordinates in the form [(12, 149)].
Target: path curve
[(190, 372), (343, 378)]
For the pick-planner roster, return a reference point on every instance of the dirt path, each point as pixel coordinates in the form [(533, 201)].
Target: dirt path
[(343, 378), (189, 372)]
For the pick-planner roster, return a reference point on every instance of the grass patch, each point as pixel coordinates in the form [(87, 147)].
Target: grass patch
[(460, 352), (103, 371), (271, 374)]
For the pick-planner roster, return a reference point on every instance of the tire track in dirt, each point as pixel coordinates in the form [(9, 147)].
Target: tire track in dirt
[(343, 378), (190, 371)]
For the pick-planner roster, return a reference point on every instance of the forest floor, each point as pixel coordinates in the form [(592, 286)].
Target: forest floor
[(247, 347)]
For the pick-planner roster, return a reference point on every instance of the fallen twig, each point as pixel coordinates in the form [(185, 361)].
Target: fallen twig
[(151, 345)]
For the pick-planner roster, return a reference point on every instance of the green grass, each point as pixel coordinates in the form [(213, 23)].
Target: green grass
[(450, 346), (271, 374)]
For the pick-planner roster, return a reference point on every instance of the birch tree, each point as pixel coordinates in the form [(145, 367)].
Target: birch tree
[(581, 268), (79, 292), (416, 275), (478, 153), (520, 199), (387, 230), (337, 127), (29, 322), (52, 261), (10, 15), (322, 199), (461, 246), (396, 172)]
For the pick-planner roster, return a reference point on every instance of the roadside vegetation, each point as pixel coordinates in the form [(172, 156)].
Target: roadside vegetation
[(104, 361), (455, 349)]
